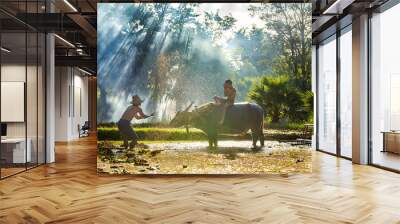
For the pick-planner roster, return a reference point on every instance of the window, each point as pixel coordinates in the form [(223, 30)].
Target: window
[(385, 89), (346, 93), (327, 95)]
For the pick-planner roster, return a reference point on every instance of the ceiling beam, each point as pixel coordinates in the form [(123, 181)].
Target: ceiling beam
[(337, 7), (321, 23), (86, 27), (78, 61), (49, 22)]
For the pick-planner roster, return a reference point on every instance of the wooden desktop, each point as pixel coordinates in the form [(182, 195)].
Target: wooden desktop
[(391, 141), (13, 150)]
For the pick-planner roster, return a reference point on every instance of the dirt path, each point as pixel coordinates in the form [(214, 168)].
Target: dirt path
[(244, 146), (231, 157)]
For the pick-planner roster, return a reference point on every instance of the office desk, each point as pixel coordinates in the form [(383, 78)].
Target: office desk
[(391, 141), (13, 150)]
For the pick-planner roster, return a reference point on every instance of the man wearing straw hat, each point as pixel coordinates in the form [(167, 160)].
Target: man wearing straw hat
[(124, 124)]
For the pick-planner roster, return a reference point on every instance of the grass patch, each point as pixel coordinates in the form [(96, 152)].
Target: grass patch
[(152, 134), (285, 126), (161, 134)]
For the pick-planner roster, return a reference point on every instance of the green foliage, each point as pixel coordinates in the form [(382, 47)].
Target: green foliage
[(215, 24), (256, 51), (281, 100), (308, 104), (243, 85), (286, 97), (112, 133), (291, 32), (286, 126), (136, 125)]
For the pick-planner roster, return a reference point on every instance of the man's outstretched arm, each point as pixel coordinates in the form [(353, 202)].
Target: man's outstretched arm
[(141, 115)]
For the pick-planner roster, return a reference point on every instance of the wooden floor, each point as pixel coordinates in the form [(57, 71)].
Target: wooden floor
[(387, 159), (70, 191), (5, 172)]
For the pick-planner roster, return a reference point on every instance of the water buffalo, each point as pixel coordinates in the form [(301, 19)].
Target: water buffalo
[(239, 118)]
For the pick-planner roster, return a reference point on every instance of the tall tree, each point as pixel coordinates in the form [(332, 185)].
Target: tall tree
[(290, 27)]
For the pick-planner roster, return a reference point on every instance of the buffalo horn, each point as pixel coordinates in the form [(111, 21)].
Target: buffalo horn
[(187, 109)]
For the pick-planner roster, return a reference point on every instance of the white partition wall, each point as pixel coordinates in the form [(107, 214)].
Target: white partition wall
[(71, 102)]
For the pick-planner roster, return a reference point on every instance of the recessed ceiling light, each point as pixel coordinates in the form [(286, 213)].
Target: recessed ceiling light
[(64, 40), (70, 5), (338, 6), (84, 71), (5, 50)]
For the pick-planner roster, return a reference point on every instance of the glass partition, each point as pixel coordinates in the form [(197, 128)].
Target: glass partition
[(327, 95), (32, 98), (385, 89), (14, 151), (22, 101)]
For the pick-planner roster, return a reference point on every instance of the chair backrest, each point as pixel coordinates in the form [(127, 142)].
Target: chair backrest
[(86, 125)]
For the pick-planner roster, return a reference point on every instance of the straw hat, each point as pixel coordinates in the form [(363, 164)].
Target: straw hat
[(136, 100)]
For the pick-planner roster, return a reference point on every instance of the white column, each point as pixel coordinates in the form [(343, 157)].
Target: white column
[(360, 90), (50, 92)]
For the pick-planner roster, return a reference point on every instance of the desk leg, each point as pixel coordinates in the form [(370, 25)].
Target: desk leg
[(384, 142)]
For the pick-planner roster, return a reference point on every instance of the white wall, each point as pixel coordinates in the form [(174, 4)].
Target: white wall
[(12, 73), (71, 102), (61, 103), (81, 104)]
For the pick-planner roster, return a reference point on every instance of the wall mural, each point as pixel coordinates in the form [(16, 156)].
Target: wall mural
[(204, 88)]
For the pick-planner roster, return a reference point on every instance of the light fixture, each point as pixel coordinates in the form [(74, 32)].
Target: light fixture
[(337, 7), (64, 40), (5, 50), (84, 71), (70, 5)]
